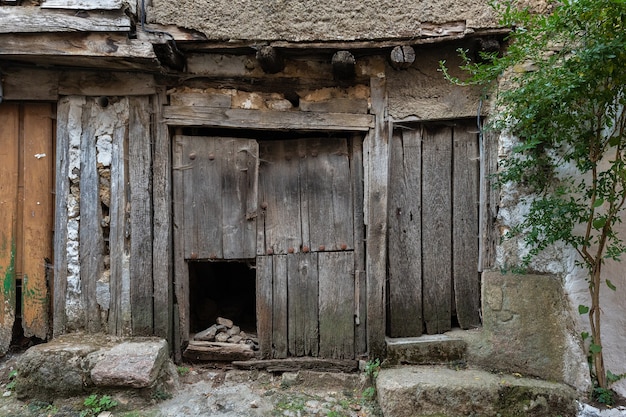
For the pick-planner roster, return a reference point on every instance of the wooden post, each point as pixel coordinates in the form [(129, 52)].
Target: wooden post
[(402, 57), (270, 60), (377, 169), (344, 65)]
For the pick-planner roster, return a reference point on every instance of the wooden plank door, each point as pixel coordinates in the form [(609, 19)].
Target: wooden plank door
[(306, 299), (26, 207), (433, 230)]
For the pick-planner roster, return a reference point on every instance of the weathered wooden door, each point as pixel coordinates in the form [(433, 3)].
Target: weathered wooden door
[(433, 229), (306, 261), (26, 217)]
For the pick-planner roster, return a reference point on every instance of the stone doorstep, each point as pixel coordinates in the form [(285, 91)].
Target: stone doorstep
[(428, 349), (413, 391)]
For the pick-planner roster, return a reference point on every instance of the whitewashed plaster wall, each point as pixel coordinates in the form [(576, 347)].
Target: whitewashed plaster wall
[(561, 260)]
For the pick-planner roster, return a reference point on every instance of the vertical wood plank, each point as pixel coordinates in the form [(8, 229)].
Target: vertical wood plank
[(119, 251), (264, 304), (279, 307), (360, 295), (140, 184), (405, 234), (9, 134), (90, 235), (376, 201), (279, 193), (162, 244), (437, 232), (465, 226), (61, 216), (181, 269), (336, 305), (37, 217), (302, 292)]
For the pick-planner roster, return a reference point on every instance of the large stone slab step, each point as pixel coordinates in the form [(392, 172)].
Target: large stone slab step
[(428, 349)]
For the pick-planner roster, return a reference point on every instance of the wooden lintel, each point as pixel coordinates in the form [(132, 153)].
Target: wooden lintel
[(15, 20), (18, 84), (266, 119), (91, 83), (83, 4)]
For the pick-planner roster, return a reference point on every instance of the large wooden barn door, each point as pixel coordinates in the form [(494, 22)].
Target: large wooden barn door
[(26, 214), (433, 229), (306, 262)]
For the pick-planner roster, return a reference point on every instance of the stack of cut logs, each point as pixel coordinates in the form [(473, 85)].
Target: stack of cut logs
[(223, 341)]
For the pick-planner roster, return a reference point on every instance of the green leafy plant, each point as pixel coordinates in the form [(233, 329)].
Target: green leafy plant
[(12, 380), (95, 404), (183, 370), (372, 368), (604, 396), (561, 89)]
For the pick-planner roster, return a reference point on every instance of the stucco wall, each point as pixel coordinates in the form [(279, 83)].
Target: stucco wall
[(317, 19)]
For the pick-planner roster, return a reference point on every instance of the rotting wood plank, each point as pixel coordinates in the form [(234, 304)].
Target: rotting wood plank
[(91, 247), (140, 185), (162, 200), (181, 268), (279, 307), (360, 295), (405, 235), (465, 226), (61, 215), (17, 20), (83, 4), (376, 200), (9, 120), (297, 364), (303, 308), (336, 304), (265, 119), (119, 251), (216, 351), (264, 303), (89, 83), (17, 84), (436, 228), (37, 172)]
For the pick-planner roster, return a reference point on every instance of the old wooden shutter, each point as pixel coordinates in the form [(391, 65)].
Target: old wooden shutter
[(220, 197), (26, 201), (433, 229)]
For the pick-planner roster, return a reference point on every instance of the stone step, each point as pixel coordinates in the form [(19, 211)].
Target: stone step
[(428, 349), (416, 391)]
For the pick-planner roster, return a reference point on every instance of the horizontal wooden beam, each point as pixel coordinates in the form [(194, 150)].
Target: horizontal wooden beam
[(266, 119), (83, 4), (15, 20)]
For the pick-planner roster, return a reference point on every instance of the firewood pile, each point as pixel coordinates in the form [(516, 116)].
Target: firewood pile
[(223, 341)]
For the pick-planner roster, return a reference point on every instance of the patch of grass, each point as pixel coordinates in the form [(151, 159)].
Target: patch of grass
[(183, 370)]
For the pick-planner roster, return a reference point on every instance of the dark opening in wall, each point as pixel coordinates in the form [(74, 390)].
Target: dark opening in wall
[(222, 289)]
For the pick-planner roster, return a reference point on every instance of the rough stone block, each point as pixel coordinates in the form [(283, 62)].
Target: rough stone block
[(439, 391), (429, 349), (130, 364)]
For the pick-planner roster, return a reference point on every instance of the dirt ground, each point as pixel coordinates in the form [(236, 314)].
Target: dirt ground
[(209, 391)]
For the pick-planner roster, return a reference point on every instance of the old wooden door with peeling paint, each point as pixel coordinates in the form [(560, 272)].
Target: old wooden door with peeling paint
[(433, 229), (26, 217)]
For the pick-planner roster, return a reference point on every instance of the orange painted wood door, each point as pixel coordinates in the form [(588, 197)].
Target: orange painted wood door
[(26, 217)]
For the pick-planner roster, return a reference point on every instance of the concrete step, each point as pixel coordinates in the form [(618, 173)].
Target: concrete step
[(416, 391), (428, 349)]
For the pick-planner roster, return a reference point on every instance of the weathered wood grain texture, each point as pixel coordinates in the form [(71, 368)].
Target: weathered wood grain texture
[(437, 227), (335, 105), (181, 269), (303, 309), (9, 134), (140, 185), (488, 208), (37, 218), (465, 226), (266, 119), (336, 304), (376, 196), (17, 84), (62, 190), (162, 258), (91, 249), (39, 20), (297, 364), (89, 83), (280, 334), (204, 99), (279, 196), (216, 351), (83, 4), (405, 235), (360, 287), (402, 57), (326, 195), (264, 304), (119, 249)]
